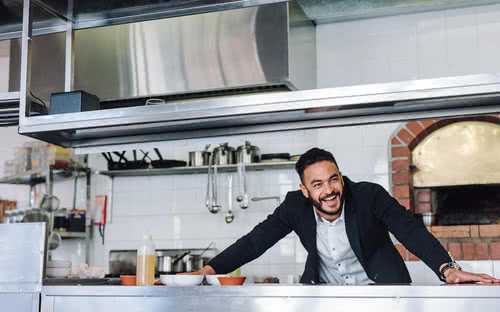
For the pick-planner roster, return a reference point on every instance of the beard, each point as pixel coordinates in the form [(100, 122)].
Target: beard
[(317, 204)]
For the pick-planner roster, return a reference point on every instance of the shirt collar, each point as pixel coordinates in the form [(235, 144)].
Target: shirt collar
[(320, 219)]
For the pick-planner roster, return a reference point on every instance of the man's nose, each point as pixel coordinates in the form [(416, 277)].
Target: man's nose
[(329, 188)]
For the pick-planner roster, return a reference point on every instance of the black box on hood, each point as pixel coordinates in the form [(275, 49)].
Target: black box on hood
[(73, 102)]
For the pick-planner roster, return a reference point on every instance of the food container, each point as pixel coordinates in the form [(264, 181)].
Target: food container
[(58, 272), (188, 280), (167, 279), (213, 279), (128, 280), (231, 280)]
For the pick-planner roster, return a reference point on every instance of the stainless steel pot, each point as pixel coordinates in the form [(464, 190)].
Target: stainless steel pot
[(188, 263), (199, 158), (164, 263), (247, 153), (224, 155), (198, 262)]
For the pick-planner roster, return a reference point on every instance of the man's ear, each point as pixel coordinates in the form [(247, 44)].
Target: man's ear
[(305, 192)]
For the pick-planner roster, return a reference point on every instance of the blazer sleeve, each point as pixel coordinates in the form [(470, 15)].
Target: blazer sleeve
[(256, 242), (409, 231)]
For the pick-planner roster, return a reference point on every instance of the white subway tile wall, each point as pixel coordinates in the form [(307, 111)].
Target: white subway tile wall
[(173, 207), (415, 46)]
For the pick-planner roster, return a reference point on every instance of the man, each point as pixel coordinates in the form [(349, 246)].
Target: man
[(344, 226)]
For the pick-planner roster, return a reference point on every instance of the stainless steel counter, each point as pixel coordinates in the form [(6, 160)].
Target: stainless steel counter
[(271, 298)]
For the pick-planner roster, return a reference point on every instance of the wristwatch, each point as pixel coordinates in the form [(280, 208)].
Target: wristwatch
[(452, 264)]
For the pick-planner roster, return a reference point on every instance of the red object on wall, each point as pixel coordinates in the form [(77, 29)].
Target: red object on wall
[(100, 205)]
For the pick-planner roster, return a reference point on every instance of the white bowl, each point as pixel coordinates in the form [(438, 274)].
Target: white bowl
[(58, 264), (188, 280), (167, 279), (58, 272), (213, 280)]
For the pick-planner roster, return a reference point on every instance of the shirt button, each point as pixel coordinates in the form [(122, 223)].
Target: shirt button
[(347, 277), (338, 264), (333, 249)]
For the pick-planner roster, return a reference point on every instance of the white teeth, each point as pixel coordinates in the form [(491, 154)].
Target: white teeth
[(331, 197)]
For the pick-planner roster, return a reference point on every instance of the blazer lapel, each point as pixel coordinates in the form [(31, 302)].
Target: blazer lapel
[(309, 229), (351, 220)]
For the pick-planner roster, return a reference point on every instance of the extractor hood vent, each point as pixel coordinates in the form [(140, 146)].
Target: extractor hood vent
[(227, 52)]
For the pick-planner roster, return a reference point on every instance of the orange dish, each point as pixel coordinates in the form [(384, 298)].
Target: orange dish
[(231, 281), (128, 280)]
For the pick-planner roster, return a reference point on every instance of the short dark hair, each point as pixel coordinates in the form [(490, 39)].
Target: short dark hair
[(310, 157)]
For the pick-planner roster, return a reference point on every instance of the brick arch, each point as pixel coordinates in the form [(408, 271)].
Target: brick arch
[(403, 141)]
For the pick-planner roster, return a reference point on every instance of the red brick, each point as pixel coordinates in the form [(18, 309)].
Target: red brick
[(412, 257), (451, 231), (495, 250), (474, 231), (416, 129), (405, 136), (401, 178), (395, 141), (468, 251), (400, 151), (489, 230), (428, 125), (400, 165), (402, 251), (401, 191), (424, 196), (423, 207), (455, 250), (482, 251)]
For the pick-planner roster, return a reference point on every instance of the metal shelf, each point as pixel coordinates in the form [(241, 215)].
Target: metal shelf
[(197, 170), (36, 177), (357, 105)]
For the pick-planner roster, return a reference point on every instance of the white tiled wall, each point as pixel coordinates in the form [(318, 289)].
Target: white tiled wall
[(416, 46), (173, 207)]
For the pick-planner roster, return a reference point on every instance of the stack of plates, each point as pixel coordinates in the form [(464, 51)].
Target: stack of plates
[(58, 268)]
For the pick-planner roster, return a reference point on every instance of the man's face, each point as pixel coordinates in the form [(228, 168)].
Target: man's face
[(324, 185)]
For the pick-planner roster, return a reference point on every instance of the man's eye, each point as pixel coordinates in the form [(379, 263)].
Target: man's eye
[(316, 185)]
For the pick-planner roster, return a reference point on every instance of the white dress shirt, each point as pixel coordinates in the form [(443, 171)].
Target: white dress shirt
[(337, 262)]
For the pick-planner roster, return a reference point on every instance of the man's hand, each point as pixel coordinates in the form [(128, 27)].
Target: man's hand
[(454, 276), (206, 270)]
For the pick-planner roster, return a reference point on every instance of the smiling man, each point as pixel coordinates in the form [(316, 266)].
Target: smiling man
[(344, 226)]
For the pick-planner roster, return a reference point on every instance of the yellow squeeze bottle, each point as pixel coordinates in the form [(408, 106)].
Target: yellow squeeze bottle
[(145, 274)]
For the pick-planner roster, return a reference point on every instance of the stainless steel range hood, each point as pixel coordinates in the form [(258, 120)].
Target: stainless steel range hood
[(262, 48), (269, 47)]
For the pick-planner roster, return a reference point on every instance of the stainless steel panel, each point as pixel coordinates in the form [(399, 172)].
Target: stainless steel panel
[(215, 51), (464, 153), (22, 247), (274, 298), (420, 99), (327, 11), (20, 302), (105, 13), (473, 291)]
